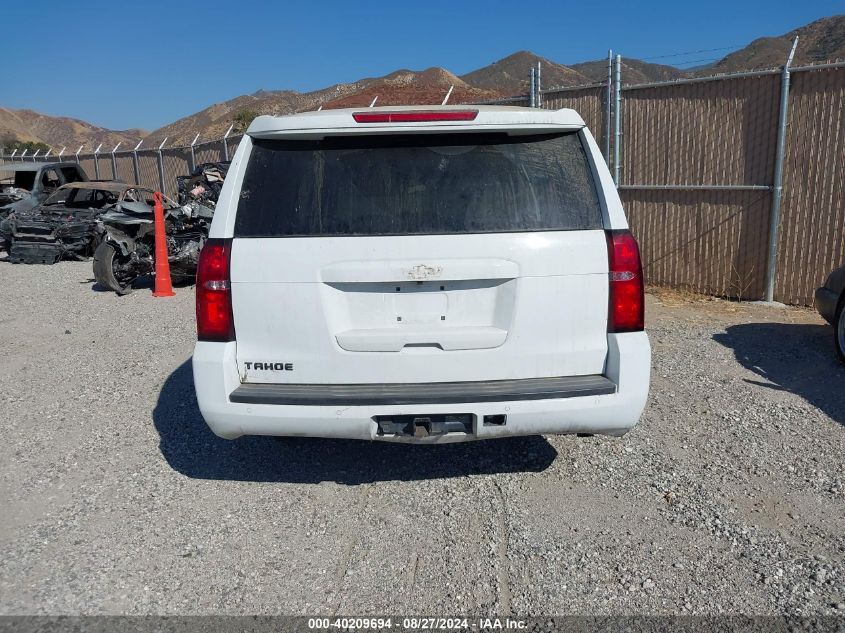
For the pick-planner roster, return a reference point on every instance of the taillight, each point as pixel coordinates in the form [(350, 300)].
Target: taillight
[(418, 116), (627, 304), (214, 293)]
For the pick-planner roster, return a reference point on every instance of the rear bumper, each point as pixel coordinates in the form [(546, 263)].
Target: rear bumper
[(826, 301), (609, 404), (423, 394)]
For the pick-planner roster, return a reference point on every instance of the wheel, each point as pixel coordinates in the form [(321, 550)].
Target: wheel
[(93, 245), (109, 269), (180, 279), (839, 329)]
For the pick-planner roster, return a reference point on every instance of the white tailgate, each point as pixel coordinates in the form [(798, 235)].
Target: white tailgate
[(433, 308)]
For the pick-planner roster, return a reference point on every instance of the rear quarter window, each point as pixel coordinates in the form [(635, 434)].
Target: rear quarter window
[(71, 174), (417, 185)]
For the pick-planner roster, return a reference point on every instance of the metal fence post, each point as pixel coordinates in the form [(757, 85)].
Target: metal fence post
[(608, 106), (97, 162), (617, 121), (539, 88), (63, 151), (532, 89), (49, 151), (135, 167), (777, 189), (226, 142), (12, 157), (114, 162), (24, 154), (161, 166), (77, 152), (193, 155), (35, 155)]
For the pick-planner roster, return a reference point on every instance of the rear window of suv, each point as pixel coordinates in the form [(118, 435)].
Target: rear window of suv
[(417, 185)]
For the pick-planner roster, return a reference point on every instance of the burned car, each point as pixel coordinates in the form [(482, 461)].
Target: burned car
[(23, 186), (127, 248), (65, 225)]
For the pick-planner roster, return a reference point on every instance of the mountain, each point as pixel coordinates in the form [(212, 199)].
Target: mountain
[(399, 87), (818, 41), (510, 76), (420, 88), (58, 131), (821, 40), (634, 71), (213, 121)]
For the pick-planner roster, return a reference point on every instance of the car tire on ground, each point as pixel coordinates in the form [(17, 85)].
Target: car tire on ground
[(839, 328), (181, 280), (105, 258)]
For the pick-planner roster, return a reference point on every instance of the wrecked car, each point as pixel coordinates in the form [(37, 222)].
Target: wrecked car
[(23, 186), (127, 248), (65, 225)]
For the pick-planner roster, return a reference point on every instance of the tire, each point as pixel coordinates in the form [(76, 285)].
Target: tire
[(93, 245), (839, 329), (178, 279), (105, 258)]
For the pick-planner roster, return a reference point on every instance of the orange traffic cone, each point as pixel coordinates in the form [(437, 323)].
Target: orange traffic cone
[(163, 287)]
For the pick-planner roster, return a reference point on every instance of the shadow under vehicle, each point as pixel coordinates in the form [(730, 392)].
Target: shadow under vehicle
[(23, 186), (191, 449), (790, 357)]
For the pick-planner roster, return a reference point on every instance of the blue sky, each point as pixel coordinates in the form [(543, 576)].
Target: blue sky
[(121, 64)]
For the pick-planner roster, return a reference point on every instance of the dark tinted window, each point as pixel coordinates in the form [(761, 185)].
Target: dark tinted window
[(82, 198), (417, 184), (71, 174), (25, 180), (50, 179)]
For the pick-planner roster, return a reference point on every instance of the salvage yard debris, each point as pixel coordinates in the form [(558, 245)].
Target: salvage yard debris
[(202, 187), (127, 248), (65, 226), (23, 186), (44, 221)]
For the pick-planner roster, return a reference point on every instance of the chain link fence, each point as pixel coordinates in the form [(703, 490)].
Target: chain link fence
[(153, 168), (695, 161), (697, 164)]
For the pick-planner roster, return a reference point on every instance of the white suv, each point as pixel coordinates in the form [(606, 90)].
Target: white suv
[(420, 274)]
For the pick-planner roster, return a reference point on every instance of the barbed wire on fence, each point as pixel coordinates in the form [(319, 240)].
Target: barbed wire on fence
[(198, 145), (695, 161)]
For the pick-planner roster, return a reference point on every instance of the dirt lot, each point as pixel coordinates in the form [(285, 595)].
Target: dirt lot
[(728, 497)]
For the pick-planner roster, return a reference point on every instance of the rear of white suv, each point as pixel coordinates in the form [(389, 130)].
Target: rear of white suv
[(420, 274)]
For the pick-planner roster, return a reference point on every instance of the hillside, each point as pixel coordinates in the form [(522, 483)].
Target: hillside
[(420, 88), (821, 40), (58, 131), (213, 121), (399, 87), (818, 41), (634, 71), (510, 76)]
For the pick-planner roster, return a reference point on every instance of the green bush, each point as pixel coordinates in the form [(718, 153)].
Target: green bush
[(244, 118), (9, 145)]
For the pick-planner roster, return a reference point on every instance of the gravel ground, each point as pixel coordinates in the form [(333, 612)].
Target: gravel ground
[(727, 497)]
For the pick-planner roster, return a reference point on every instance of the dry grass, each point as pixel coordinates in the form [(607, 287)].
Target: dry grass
[(702, 304), (678, 296)]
